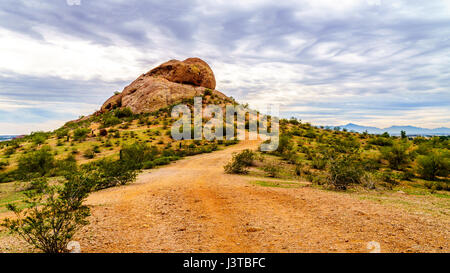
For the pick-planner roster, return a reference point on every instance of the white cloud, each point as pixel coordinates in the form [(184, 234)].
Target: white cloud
[(64, 56)]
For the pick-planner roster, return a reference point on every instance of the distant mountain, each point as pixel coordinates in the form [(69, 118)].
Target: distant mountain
[(395, 130), (6, 137)]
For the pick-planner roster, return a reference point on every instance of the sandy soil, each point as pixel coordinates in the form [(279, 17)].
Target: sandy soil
[(193, 206)]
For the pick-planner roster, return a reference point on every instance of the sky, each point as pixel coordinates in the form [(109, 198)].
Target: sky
[(370, 62)]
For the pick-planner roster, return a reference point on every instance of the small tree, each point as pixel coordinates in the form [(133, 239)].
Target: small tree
[(80, 134), (35, 163), (433, 165), (403, 134), (397, 155), (344, 170), (53, 215), (134, 155)]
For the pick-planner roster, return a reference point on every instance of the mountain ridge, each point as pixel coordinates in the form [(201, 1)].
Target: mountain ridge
[(396, 129)]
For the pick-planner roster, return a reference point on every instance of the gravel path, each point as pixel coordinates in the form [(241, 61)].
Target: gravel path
[(193, 206)]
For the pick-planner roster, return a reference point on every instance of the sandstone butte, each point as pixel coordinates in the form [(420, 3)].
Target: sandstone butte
[(165, 85)]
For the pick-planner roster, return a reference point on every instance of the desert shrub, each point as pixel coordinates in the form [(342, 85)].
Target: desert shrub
[(433, 165), (298, 169), (424, 149), (319, 162), (3, 164), (347, 145), (207, 92), (389, 177), (60, 133), (9, 151), (38, 138), (39, 184), (106, 173), (407, 175), (109, 121), (123, 112), (108, 143), (103, 132), (240, 162), (96, 149), (344, 171), (80, 134), (284, 145), (134, 155), (381, 141), (89, 153), (397, 155), (310, 134), (148, 165), (36, 163), (231, 142), (371, 161), (272, 169), (67, 165), (369, 180), (6, 177), (162, 161), (52, 216), (437, 186)]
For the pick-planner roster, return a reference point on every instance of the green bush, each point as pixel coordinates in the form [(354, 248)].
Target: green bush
[(397, 155), (111, 121), (381, 141), (344, 171), (272, 169), (134, 155), (36, 163), (60, 133), (80, 134), (389, 177), (433, 165), (207, 92), (89, 153), (52, 215), (319, 162), (39, 184), (240, 162), (106, 173), (39, 138), (162, 161), (67, 165), (148, 165), (3, 165), (284, 145), (123, 112)]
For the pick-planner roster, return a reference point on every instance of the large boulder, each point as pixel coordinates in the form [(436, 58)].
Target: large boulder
[(165, 85), (192, 71)]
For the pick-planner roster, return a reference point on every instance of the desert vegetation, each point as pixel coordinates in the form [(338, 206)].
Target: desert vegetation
[(336, 159), (55, 171)]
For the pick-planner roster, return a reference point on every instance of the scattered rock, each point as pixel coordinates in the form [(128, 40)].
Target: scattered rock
[(252, 229)]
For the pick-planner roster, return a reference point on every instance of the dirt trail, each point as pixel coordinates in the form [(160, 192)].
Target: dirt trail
[(193, 206)]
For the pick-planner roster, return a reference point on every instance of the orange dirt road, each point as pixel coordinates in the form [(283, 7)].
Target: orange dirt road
[(193, 206)]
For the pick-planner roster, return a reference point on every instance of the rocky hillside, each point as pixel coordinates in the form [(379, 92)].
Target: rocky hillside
[(165, 85)]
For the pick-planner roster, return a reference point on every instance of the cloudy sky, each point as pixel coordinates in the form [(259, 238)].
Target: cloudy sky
[(371, 62)]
